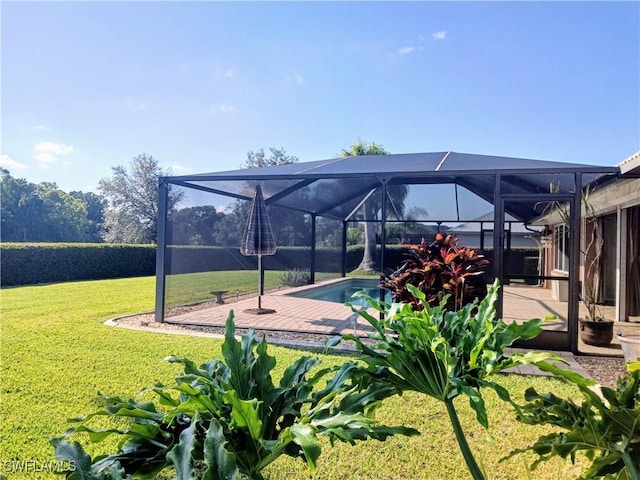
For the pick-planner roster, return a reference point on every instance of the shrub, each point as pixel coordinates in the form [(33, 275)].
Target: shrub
[(606, 428), (445, 354), (28, 263), (439, 270), (227, 419), (296, 277)]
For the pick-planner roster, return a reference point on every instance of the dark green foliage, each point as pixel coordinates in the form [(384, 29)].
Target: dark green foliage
[(96, 205), (439, 270), (193, 225), (445, 354), (228, 419), (29, 263), (43, 213), (205, 259), (606, 429), (26, 264)]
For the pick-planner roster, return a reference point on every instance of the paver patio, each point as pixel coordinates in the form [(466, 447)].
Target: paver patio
[(307, 316)]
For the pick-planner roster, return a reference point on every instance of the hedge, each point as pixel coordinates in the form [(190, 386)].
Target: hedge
[(32, 263)]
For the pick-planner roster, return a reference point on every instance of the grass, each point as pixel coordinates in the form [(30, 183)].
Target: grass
[(56, 354), (187, 288)]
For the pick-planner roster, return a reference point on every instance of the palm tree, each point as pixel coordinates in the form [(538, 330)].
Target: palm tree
[(373, 206)]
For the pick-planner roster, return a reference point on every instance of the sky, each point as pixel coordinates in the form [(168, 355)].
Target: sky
[(87, 86)]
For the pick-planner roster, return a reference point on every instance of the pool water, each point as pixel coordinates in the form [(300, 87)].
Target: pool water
[(343, 291)]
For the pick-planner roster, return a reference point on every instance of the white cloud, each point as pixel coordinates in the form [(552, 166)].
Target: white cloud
[(223, 108), (40, 128), (47, 153), (136, 105), (7, 162), (405, 50), (221, 72), (439, 35), (295, 78)]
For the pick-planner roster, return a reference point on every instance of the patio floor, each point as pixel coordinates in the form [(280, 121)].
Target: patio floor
[(307, 316)]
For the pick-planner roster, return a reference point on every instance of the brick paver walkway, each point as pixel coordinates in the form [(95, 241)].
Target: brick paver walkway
[(302, 315)]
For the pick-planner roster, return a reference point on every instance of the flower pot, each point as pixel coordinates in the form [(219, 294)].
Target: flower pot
[(598, 333), (630, 346)]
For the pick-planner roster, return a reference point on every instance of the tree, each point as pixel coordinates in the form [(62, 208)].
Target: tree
[(396, 193), (132, 211), (40, 213), (14, 193), (95, 205), (288, 226), (278, 156), (193, 225), (228, 230), (412, 230), (362, 148)]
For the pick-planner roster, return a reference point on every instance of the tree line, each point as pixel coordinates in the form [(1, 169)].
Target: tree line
[(44, 213), (125, 210)]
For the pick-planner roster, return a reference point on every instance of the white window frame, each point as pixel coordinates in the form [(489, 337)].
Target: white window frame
[(561, 248)]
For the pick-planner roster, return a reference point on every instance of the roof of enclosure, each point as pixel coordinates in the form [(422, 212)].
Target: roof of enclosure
[(337, 187)]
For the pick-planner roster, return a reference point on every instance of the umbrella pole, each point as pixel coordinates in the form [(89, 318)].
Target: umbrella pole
[(259, 282)]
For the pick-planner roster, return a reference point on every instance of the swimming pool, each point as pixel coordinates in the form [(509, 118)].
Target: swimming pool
[(342, 292)]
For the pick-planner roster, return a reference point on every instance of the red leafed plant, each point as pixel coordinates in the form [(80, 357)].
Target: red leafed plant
[(439, 269)]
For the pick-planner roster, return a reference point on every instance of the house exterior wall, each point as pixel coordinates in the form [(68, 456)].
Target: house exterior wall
[(609, 204)]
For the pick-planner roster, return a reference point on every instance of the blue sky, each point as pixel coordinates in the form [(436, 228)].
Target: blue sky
[(87, 86)]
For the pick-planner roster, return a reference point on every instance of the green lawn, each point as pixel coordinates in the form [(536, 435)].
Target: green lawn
[(56, 354), (190, 288)]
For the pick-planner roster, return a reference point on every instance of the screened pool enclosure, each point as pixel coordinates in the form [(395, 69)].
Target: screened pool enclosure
[(323, 212)]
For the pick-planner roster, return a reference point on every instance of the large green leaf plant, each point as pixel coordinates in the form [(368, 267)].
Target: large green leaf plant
[(605, 427), (227, 419), (446, 354)]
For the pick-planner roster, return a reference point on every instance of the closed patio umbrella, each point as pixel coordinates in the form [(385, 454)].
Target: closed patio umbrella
[(258, 240)]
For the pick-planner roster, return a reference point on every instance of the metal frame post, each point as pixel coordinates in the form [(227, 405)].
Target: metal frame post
[(383, 235), (313, 248), (575, 222), (161, 244), (383, 225), (498, 239), (344, 248)]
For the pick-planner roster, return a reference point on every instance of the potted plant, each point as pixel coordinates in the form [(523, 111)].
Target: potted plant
[(594, 328)]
